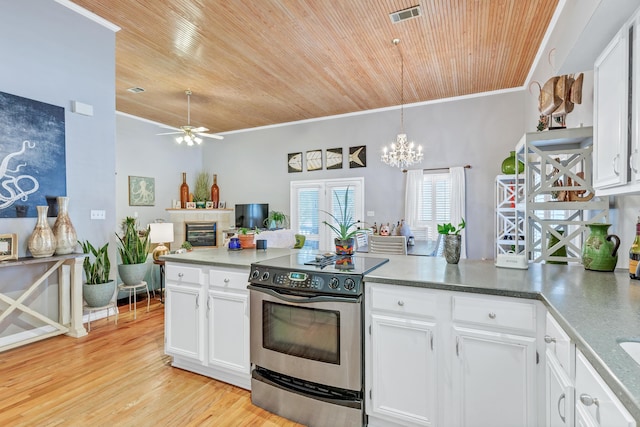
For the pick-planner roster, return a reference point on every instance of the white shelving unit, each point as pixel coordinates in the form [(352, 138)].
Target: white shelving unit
[(510, 218), (558, 163)]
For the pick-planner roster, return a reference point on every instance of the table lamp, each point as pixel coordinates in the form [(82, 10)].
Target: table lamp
[(161, 233)]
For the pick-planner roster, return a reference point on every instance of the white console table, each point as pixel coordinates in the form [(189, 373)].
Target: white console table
[(69, 268)]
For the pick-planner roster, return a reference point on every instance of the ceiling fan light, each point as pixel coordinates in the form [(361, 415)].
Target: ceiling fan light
[(179, 140), (198, 140)]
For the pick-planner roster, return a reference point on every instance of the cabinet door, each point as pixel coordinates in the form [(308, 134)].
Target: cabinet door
[(559, 394), (493, 379), (611, 88), (228, 314), (403, 384), (184, 322)]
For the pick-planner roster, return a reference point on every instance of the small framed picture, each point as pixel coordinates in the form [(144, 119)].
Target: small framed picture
[(208, 205), (222, 205), (191, 205), (8, 247), (176, 204), (142, 191)]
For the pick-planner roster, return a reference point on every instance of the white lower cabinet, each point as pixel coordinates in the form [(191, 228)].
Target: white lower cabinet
[(559, 392), (493, 379), (430, 365), (403, 355), (596, 404), (207, 321)]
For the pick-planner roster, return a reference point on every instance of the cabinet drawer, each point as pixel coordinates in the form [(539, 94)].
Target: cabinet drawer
[(403, 299), (182, 274), (228, 278), (495, 312), (607, 410), (558, 342)]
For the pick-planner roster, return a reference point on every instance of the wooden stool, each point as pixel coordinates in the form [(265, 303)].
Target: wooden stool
[(133, 289), (109, 306)]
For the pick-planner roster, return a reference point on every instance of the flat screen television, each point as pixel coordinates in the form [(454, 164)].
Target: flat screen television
[(251, 215)]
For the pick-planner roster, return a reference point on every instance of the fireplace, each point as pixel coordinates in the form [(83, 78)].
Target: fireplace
[(201, 234)]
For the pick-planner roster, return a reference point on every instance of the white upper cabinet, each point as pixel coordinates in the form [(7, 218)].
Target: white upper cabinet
[(616, 113)]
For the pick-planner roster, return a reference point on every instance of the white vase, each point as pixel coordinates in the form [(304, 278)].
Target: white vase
[(42, 242), (63, 230)]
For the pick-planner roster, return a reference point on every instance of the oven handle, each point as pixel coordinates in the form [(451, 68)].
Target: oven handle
[(302, 300)]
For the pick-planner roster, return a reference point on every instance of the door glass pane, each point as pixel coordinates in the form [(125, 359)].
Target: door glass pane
[(309, 333)]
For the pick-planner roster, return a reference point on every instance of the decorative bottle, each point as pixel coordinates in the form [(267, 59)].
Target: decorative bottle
[(215, 192), (63, 230), (184, 191), (634, 254), (42, 242), (509, 164)]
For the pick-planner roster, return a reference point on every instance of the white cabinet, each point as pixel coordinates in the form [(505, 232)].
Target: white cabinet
[(611, 88), (402, 369), (207, 321), (184, 317), (596, 404), (228, 322), (437, 358), (494, 367), (559, 368)]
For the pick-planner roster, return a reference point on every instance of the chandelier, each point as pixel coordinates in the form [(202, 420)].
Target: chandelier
[(401, 153)]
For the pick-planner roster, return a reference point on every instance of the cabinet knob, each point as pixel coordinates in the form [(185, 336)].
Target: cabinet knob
[(180, 274), (492, 315), (588, 400), (549, 339), (400, 303), (226, 280)]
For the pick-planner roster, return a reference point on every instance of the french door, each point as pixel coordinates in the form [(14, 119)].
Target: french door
[(310, 202)]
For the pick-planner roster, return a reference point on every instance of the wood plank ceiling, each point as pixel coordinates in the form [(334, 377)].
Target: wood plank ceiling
[(257, 63)]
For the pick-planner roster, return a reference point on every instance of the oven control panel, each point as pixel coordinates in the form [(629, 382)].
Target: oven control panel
[(326, 283)]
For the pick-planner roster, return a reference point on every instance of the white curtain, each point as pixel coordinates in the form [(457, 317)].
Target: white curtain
[(458, 203), (413, 197)]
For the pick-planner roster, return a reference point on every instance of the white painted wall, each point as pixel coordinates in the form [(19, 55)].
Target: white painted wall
[(252, 165), (53, 55)]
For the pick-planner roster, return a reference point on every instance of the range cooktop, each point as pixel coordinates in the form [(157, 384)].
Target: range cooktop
[(314, 273), (330, 263)]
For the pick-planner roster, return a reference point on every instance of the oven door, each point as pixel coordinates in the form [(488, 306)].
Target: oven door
[(317, 338)]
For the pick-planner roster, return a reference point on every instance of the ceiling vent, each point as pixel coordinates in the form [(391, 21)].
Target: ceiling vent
[(136, 89), (403, 15)]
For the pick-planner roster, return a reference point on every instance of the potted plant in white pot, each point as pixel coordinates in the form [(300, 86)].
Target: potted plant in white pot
[(452, 240), (133, 249), (344, 226), (98, 290), (275, 220)]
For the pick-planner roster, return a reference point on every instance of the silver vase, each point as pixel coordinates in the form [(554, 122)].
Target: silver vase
[(63, 230), (452, 246), (42, 242)]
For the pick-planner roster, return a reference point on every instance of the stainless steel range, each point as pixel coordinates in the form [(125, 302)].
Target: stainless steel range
[(307, 337)]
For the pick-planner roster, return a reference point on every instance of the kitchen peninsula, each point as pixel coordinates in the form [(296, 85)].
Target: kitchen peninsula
[(596, 310)]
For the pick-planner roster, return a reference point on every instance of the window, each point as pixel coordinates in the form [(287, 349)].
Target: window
[(436, 202), (310, 200)]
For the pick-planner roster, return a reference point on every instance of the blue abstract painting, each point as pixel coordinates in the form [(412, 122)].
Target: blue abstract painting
[(32, 155)]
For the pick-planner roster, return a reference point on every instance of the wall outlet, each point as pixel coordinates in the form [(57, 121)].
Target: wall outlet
[(371, 213), (95, 214)]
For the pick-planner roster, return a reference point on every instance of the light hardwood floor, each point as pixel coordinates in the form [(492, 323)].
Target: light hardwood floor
[(117, 376)]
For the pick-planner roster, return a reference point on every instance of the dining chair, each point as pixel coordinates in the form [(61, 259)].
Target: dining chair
[(388, 245)]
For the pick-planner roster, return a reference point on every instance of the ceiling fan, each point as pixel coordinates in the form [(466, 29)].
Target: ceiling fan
[(191, 134)]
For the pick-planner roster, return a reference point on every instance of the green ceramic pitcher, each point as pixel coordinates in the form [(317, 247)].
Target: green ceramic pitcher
[(600, 250)]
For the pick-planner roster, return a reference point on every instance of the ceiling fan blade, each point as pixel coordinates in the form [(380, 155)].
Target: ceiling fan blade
[(211, 135), (199, 129), (170, 133)]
